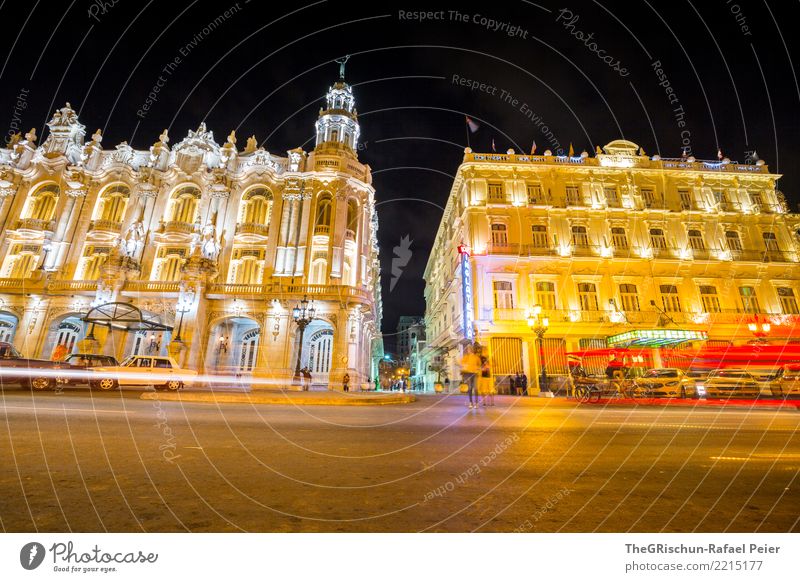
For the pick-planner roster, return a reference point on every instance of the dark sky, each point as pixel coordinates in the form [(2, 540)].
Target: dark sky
[(265, 67)]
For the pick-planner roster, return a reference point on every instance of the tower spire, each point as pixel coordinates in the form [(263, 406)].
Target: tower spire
[(337, 125)]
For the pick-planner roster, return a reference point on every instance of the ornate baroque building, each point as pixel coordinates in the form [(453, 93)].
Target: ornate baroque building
[(671, 250), (198, 240)]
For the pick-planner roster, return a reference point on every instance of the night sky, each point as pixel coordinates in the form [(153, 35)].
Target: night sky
[(588, 71)]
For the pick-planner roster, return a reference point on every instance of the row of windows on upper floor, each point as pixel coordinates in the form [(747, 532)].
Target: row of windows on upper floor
[(246, 265), (627, 303), (756, 201), (659, 246), (630, 298), (112, 203)]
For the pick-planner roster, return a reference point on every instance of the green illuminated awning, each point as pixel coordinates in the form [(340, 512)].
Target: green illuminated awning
[(655, 338)]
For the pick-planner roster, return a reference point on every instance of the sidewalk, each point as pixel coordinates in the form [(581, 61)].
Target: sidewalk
[(321, 398), (561, 401)]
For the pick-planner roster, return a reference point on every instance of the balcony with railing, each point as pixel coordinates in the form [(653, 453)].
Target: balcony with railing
[(78, 285), (35, 224), (649, 318), (702, 254), (32, 284), (322, 229), (534, 250), (508, 314), (174, 226), (764, 208), (502, 249), (275, 289), (620, 252), (151, 286), (252, 228), (586, 250), (101, 225), (762, 256), (350, 234)]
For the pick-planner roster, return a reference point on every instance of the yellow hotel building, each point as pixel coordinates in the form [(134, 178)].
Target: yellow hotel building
[(671, 250)]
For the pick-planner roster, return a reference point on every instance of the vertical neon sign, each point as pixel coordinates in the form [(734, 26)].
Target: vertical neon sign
[(466, 291)]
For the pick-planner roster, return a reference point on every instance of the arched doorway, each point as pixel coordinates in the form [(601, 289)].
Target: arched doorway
[(317, 354), (67, 331), (8, 327), (248, 350), (233, 345)]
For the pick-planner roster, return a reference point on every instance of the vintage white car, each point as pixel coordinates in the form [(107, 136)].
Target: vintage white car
[(161, 372)]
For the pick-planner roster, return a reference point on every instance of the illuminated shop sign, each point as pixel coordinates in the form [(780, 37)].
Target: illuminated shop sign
[(466, 291), (655, 337)]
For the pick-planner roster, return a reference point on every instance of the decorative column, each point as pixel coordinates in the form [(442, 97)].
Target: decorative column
[(337, 235), (149, 194), (224, 224), (66, 224), (303, 255)]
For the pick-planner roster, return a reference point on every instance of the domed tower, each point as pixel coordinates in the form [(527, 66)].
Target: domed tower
[(337, 126)]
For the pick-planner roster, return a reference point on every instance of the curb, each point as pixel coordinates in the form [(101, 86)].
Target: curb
[(696, 404), (278, 398)]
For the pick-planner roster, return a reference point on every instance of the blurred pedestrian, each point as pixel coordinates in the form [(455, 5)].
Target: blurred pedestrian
[(470, 368), (523, 384), (346, 382), (59, 353), (486, 383)]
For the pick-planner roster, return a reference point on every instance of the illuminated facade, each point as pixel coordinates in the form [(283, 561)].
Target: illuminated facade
[(608, 244), (215, 242)]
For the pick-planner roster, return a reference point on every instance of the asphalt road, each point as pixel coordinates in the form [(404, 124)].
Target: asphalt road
[(80, 461)]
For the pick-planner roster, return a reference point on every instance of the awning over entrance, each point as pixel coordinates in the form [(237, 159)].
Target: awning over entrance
[(655, 338), (123, 316)]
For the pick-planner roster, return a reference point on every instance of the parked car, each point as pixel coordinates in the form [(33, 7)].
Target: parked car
[(161, 372), (788, 382), (17, 370), (767, 378), (80, 371), (666, 383), (732, 383)]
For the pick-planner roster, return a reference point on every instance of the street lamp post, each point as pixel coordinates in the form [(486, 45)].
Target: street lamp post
[(539, 325), (303, 314), (182, 307)]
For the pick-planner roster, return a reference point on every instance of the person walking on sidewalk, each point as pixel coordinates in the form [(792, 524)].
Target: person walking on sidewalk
[(486, 386), (346, 382), (470, 368)]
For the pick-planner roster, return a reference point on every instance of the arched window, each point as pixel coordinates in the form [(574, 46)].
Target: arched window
[(256, 206), (249, 350), (247, 266), (68, 333), (346, 273), (42, 203), (658, 240), (8, 327), (587, 296), (499, 234), (168, 264), (92, 261), (580, 237), (112, 203), (323, 222), (21, 261), (183, 204), (619, 238), (696, 241), (319, 272), (734, 240)]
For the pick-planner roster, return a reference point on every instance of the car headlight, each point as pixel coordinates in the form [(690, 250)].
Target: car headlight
[(672, 383)]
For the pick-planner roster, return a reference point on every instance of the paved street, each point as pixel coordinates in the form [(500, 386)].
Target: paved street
[(81, 461)]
